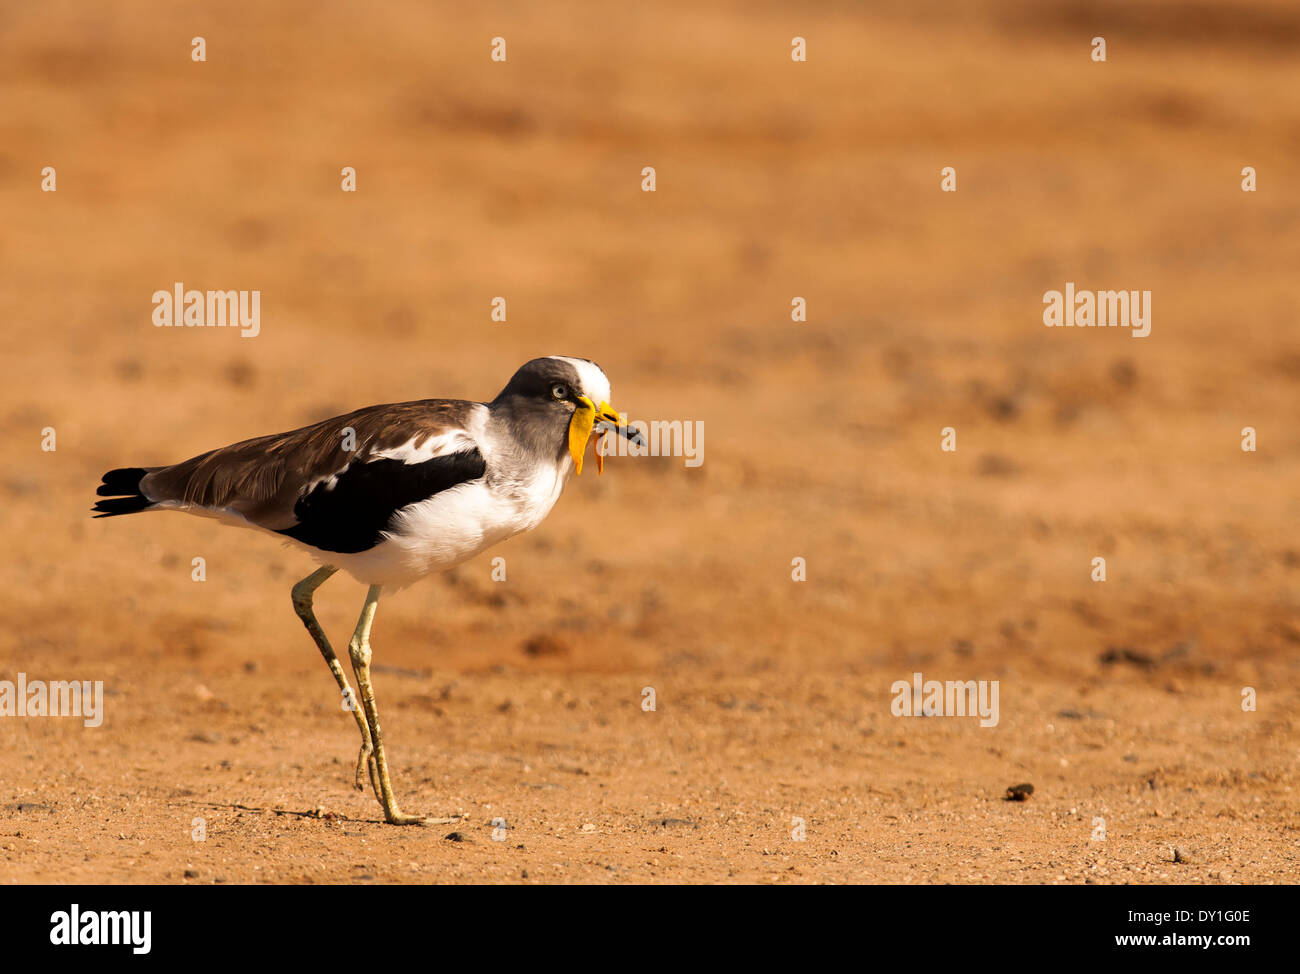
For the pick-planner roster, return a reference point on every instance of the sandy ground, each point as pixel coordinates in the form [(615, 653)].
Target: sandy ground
[(774, 179)]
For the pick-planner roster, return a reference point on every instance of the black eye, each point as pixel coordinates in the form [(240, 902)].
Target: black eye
[(560, 391)]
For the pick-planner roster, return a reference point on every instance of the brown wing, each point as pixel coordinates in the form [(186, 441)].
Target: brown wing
[(263, 478)]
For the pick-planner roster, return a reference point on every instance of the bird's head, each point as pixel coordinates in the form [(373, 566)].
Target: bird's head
[(573, 393)]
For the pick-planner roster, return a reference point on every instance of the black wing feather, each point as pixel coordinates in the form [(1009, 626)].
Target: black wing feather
[(351, 516), (125, 480)]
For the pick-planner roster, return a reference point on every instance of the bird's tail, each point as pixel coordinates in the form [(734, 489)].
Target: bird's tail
[(122, 486)]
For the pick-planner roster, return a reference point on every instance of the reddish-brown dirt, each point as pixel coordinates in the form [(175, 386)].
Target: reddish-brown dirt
[(775, 179)]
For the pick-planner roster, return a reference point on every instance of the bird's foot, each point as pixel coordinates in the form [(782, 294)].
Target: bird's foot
[(396, 816)]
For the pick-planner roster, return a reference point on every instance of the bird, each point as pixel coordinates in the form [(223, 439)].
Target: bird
[(390, 494)]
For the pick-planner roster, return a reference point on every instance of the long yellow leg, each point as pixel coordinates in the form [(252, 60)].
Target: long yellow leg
[(359, 650), (302, 604)]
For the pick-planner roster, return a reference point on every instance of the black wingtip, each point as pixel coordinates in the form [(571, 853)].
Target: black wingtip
[(121, 505), (124, 480)]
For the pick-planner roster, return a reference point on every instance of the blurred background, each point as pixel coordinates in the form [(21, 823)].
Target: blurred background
[(775, 179)]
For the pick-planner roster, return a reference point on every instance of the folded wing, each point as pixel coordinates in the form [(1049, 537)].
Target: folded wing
[(334, 485)]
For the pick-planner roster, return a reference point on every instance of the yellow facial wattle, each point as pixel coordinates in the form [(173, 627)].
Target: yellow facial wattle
[(580, 427), (584, 418)]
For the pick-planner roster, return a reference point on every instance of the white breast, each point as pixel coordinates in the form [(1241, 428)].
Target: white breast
[(457, 524)]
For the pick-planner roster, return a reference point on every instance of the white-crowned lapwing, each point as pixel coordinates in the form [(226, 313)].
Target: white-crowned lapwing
[(390, 494)]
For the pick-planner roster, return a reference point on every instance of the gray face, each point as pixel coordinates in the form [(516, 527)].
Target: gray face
[(537, 404)]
